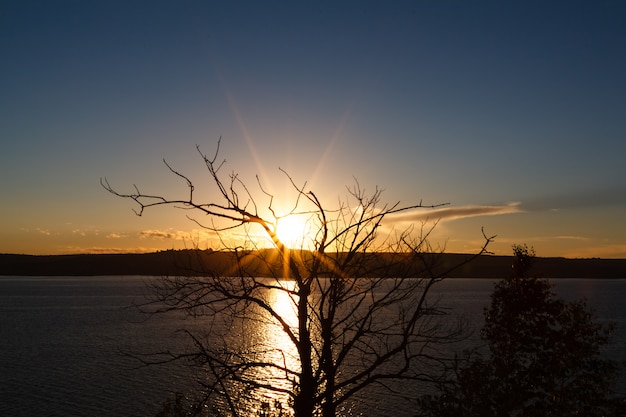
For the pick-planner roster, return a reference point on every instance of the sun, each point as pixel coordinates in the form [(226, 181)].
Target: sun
[(294, 231)]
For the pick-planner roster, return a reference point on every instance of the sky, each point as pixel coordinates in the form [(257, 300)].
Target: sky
[(511, 112)]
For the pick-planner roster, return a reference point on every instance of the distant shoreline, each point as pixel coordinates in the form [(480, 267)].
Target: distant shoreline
[(196, 262)]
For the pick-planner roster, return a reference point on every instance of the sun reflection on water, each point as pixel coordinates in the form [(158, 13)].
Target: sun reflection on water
[(283, 301), (275, 345)]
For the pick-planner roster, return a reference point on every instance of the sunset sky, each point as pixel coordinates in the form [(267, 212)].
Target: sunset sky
[(512, 112)]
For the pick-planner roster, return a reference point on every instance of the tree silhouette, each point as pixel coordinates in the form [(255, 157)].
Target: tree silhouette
[(350, 312), (544, 356)]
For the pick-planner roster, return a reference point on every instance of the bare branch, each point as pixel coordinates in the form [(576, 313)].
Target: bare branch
[(359, 311)]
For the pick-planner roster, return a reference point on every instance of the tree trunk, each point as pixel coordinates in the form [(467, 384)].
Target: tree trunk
[(304, 400), (328, 365)]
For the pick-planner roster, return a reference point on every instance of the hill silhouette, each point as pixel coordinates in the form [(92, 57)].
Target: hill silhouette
[(197, 262)]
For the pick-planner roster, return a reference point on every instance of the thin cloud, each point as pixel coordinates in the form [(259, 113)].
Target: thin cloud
[(455, 213), (177, 234), (104, 250), (548, 239), (569, 238), (615, 251), (44, 231), (161, 234)]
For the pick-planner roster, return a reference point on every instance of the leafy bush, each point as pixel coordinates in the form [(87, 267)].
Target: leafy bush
[(544, 357)]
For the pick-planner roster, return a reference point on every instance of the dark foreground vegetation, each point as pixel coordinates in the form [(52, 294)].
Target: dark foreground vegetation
[(197, 262), (542, 358)]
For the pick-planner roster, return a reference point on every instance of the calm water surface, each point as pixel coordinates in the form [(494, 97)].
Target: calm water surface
[(62, 342)]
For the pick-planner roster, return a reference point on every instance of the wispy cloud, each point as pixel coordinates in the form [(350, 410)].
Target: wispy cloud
[(100, 249), (177, 234), (617, 251), (162, 234), (455, 213), (569, 238), (45, 232)]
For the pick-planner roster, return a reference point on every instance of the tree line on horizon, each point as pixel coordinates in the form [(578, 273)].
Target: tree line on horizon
[(192, 261)]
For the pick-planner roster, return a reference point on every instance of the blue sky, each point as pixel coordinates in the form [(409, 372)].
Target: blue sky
[(512, 112)]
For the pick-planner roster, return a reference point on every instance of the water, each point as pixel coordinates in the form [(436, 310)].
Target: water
[(62, 345), (63, 342)]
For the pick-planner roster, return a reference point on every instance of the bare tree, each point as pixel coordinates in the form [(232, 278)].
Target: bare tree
[(355, 309)]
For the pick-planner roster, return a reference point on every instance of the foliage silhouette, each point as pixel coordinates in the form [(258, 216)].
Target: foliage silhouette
[(544, 356)]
